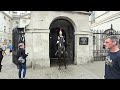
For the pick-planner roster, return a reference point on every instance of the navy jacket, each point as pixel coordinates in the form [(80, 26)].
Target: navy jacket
[(112, 65)]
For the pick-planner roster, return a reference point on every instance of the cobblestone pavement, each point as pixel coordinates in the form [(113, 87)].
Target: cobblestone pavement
[(10, 71), (97, 67)]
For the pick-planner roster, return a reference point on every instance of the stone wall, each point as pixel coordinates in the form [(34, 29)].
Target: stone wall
[(37, 36)]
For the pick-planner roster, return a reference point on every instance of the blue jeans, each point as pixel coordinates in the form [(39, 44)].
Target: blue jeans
[(22, 67)]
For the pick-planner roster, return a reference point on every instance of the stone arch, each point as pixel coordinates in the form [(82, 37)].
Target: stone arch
[(68, 27), (65, 18)]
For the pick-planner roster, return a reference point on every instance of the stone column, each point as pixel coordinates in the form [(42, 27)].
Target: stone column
[(83, 53), (37, 45)]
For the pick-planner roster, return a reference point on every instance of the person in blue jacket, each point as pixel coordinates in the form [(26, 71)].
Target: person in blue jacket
[(10, 49)]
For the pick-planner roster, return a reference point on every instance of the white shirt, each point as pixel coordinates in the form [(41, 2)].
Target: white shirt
[(4, 47)]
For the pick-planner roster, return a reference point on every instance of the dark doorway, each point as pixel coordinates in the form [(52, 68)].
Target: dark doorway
[(68, 32), (18, 36)]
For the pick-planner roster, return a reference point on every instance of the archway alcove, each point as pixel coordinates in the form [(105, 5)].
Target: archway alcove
[(68, 32)]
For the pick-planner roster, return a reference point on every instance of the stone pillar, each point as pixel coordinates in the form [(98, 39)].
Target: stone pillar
[(37, 45), (83, 53)]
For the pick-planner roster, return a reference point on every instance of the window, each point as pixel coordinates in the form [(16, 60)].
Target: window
[(9, 30), (14, 12), (4, 28), (94, 40), (92, 17), (24, 21), (0, 39), (21, 13), (17, 22), (4, 17)]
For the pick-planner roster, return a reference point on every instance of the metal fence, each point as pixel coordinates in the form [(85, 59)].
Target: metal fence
[(99, 55), (99, 51)]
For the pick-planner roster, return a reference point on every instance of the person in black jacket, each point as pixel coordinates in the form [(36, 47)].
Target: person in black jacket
[(21, 66), (1, 57)]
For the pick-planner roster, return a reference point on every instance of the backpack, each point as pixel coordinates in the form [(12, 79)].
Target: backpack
[(21, 59)]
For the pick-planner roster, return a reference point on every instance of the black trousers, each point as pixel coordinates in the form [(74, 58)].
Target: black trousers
[(0, 63)]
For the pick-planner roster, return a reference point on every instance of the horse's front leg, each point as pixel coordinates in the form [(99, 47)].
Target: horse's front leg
[(59, 59), (65, 62)]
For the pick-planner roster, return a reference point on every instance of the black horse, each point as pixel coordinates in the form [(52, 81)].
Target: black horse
[(61, 52)]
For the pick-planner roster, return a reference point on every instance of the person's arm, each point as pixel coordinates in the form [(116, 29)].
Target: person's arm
[(24, 55), (118, 61), (18, 54), (2, 52)]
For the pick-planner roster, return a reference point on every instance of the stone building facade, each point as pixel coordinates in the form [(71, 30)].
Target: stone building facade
[(5, 27), (44, 23), (105, 21), (9, 20), (102, 20)]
